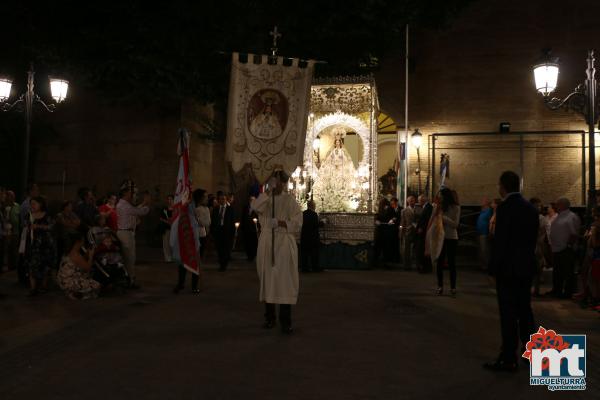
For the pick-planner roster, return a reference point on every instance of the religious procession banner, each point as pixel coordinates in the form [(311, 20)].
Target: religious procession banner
[(268, 113)]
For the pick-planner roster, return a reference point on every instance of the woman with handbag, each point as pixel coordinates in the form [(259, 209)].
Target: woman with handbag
[(447, 214), (39, 246)]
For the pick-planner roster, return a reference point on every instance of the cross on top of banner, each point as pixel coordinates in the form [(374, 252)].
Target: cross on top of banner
[(276, 35)]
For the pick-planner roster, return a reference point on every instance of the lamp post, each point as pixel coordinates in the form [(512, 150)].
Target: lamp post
[(317, 150), (417, 140), (582, 100), (24, 103)]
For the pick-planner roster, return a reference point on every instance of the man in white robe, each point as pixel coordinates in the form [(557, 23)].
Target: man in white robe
[(278, 271)]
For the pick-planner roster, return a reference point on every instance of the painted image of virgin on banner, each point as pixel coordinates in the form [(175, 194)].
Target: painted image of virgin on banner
[(267, 114)]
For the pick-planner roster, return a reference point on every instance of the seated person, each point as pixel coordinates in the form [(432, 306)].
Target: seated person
[(108, 252), (74, 274), (97, 233)]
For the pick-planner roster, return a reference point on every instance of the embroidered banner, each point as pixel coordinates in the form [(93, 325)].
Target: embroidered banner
[(267, 116)]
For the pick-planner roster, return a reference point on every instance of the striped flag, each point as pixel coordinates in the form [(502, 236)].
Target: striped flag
[(444, 169), (184, 227)]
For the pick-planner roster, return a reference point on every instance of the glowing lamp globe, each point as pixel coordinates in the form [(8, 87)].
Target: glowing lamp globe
[(59, 89), (546, 75), (5, 85), (417, 139), (317, 143)]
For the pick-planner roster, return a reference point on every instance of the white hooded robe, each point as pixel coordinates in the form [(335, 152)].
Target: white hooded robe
[(279, 283)]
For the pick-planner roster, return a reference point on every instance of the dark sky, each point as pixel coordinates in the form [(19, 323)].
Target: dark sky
[(168, 51)]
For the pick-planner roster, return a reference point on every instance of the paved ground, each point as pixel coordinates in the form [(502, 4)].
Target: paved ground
[(359, 335)]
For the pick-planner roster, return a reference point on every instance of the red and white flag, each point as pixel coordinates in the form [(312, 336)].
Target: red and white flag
[(184, 227)]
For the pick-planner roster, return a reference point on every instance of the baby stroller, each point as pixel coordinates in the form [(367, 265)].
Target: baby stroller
[(108, 266)]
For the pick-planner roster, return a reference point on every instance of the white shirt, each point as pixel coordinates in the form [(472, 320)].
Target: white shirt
[(222, 210), (127, 215), (548, 223), (203, 217), (565, 225)]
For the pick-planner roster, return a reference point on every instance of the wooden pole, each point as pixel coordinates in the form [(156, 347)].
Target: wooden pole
[(272, 229)]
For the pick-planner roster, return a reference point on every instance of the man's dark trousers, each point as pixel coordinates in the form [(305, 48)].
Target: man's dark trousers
[(516, 316)]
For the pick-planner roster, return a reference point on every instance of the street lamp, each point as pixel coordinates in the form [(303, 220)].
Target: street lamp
[(317, 150), (582, 100), (25, 102), (417, 140), (5, 85)]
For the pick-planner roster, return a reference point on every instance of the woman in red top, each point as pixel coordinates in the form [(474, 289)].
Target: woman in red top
[(109, 211)]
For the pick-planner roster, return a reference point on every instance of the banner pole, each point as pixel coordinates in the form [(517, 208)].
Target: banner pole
[(272, 229)]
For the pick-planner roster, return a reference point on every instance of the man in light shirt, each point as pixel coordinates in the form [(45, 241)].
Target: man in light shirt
[(564, 233), (127, 217)]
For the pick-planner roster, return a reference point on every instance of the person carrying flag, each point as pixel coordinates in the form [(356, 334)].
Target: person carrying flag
[(185, 234)]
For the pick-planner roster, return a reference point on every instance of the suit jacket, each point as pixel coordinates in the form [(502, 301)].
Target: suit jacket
[(227, 231), (424, 218), (396, 215), (310, 228), (513, 251)]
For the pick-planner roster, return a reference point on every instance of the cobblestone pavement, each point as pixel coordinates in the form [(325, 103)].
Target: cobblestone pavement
[(359, 335)]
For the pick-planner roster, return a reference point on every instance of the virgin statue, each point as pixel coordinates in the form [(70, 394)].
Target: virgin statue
[(336, 182)]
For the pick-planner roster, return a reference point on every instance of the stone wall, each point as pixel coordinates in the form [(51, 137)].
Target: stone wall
[(99, 145), (478, 73)]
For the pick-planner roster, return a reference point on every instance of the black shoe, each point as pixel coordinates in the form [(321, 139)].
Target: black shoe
[(501, 366), (177, 289), (453, 292), (287, 330), (134, 286), (222, 269), (268, 325)]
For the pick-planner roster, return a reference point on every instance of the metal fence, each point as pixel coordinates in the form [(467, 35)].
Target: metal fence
[(551, 163)]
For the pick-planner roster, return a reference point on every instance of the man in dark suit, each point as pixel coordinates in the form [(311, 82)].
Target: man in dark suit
[(423, 213), (513, 264), (309, 239), (223, 230)]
